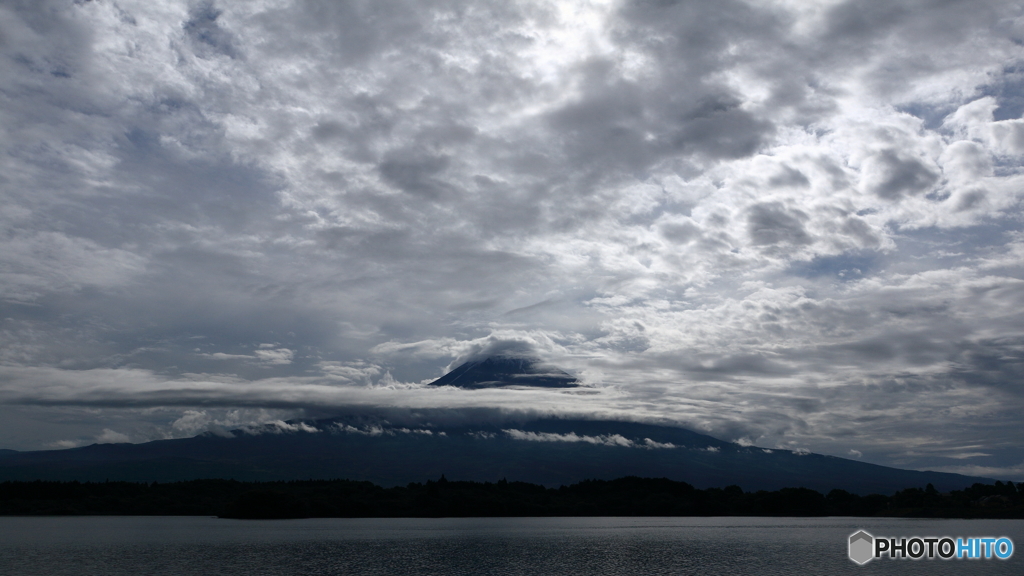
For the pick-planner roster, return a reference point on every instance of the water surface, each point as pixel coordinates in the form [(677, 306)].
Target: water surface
[(463, 546)]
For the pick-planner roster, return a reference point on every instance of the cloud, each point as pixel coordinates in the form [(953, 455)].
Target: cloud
[(378, 430), (206, 36), (772, 224), (986, 471), (605, 439), (223, 356), (64, 444), (192, 422), (222, 421), (110, 437), (280, 427), (785, 222), (275, 356), (648, 443), (494, 345), (892, 176)]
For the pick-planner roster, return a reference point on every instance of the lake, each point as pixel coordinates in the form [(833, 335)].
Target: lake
[(140, 545)]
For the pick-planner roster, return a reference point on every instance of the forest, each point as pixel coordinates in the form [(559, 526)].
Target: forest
[(628, 496)]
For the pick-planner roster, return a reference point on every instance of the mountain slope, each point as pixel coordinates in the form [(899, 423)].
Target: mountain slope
[(501, 371), (544, 451)]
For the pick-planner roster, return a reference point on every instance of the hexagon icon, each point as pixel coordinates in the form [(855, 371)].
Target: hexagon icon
[(861, 544)]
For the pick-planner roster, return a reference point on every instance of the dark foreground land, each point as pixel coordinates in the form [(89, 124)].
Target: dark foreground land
[(630, 496)]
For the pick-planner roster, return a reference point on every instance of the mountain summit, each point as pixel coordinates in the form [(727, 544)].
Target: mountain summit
[(501, 371)]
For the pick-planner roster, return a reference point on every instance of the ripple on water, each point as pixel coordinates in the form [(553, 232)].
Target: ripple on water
[(491, 546)]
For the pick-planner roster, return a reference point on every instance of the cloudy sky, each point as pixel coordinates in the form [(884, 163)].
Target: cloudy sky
[(791, 223)]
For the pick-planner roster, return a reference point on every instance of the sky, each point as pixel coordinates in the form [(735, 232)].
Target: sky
[(787, 223)]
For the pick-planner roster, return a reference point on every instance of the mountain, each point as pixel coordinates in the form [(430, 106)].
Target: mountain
[(545, 451), (503, 371)]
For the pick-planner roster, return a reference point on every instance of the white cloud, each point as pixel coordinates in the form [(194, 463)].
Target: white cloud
[(64, 444), (223, 356), (275, 356), (111, 437), (192, 422), (605, 439), (648, 443), (279, 427)]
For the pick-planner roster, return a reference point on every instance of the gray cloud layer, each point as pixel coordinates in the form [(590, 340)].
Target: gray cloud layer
[(788, 223)]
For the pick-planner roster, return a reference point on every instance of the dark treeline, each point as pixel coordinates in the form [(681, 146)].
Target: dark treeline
[(630, 496)]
